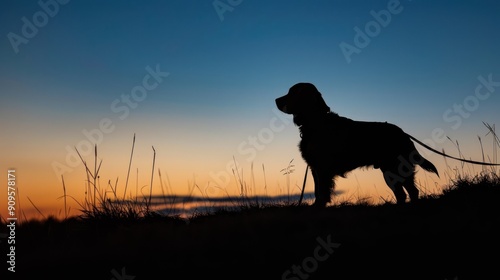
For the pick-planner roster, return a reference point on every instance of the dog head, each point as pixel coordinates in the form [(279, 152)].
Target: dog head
[(303, 100)]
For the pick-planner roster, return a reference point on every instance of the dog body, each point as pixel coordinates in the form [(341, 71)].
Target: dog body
[(333, 145)]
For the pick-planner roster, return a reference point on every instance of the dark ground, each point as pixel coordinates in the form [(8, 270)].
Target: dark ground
[(452, 236)]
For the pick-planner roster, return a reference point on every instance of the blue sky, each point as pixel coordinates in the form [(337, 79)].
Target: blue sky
[(224, 71)]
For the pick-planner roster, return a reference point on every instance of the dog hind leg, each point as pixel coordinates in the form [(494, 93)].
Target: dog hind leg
[(400, 193), (411, 187), (395, 183)]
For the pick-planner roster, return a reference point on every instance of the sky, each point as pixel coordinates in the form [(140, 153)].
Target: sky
[(195, 83)]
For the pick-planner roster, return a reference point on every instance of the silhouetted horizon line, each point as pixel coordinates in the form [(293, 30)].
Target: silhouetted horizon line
[(176, 199)]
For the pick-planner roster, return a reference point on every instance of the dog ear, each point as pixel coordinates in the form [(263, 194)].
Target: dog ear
[(320, 102), (322, 107)]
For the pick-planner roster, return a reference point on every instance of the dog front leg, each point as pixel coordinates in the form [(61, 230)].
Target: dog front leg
[(323, 186)]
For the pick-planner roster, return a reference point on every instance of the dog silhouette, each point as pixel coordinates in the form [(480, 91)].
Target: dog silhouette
[(333, 145)]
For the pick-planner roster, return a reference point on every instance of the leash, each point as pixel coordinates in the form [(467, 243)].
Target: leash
[(445, 155)]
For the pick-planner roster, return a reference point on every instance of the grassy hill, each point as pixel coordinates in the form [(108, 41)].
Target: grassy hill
[(453, 235)]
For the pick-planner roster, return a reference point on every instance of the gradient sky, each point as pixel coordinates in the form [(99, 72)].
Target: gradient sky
[(74, 74)]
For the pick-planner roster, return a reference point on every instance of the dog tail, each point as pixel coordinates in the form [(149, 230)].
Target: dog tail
[(420, 160), (427, 165)]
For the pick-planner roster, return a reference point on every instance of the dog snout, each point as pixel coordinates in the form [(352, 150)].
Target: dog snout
[(281, 104)]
